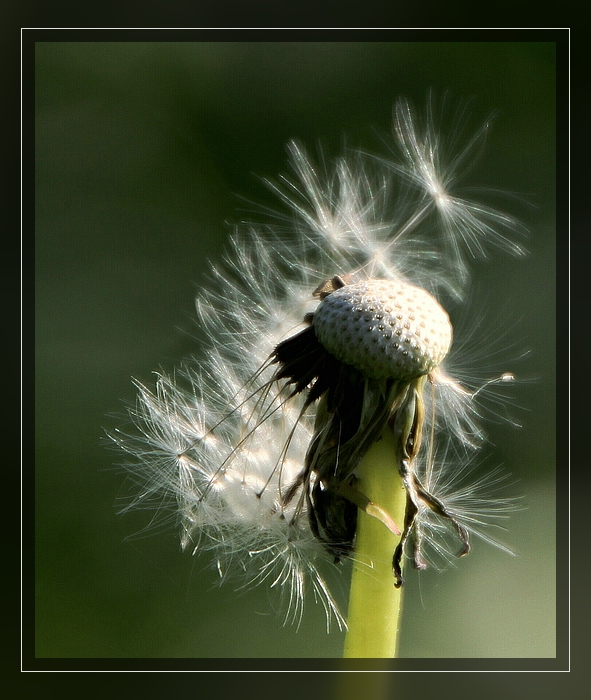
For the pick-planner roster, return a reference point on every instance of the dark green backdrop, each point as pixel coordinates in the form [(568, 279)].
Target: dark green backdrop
[(142, 153)]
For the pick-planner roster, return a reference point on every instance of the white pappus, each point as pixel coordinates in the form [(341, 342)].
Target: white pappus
[(325, 326)]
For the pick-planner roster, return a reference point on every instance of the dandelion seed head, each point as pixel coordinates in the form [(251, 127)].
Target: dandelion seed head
[(238, 445)]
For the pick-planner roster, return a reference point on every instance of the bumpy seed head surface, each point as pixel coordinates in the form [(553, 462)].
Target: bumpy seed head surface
[(384, 328)]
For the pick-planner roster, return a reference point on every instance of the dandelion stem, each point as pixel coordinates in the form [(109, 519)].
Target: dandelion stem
[(375, 605)]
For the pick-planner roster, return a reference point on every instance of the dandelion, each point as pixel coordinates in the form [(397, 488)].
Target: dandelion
[(323, 420)]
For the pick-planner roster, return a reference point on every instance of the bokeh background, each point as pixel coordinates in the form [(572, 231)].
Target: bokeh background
[(146, 153)]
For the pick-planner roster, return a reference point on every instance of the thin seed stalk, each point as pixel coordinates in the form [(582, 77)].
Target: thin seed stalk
[(375, 605)]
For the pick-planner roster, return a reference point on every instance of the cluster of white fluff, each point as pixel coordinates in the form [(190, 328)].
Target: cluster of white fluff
[(217, 443)]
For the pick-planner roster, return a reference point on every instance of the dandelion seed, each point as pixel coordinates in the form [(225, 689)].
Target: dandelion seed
[(468, 228), (319, 341)]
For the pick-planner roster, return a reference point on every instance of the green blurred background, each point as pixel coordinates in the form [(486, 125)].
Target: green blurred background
[(143, 153)]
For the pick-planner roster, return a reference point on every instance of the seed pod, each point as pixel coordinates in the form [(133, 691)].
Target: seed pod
[(385, 328)]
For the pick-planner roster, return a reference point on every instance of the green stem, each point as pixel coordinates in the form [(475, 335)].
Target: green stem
[(375, 605)]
